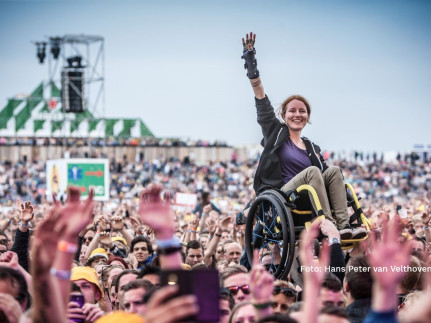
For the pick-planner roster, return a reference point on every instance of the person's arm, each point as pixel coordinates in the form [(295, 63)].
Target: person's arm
[(22, 237), (249, 53), (212, 245), (205, 212), (72, 219), (387, 253), (336, 262), (93, 245), (47, 300), (313, 273), (159, 217), (261, 287)]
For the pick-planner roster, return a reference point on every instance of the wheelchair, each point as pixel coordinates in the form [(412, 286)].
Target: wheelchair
[(276, 219)]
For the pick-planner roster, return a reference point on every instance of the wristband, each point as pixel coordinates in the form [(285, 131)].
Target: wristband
[(22, 224), (191, 230), (62, 274), (173, 242), (67, 246), (262, 306), (426, 228)]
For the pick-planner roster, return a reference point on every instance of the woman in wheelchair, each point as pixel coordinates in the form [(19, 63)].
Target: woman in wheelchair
[(290, 160)]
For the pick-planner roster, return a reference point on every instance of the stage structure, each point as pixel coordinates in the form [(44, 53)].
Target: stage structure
[(71, 103)]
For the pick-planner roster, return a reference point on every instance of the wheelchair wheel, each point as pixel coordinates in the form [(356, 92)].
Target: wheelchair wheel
[(270, 229)]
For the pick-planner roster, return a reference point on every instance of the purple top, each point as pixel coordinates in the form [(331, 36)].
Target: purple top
[(293, 160)]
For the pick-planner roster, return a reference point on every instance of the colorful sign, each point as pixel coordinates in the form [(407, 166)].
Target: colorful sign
[(83, 173)]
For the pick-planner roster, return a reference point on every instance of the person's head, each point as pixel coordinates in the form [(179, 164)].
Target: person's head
[(226, 305), (418, 226), (418, 247), (88, 237), (203, 239), (295, 111), (86, 279), (125, 277), (13, 282), (220, 254), (332, 314), (141, 248), (412, 278), (105, 275), (96, 256), (205, 197), (118, 261), (150, 273), (358, 281), (283, 296), (224, 235), (233, 252), (82, 254), (3, 242), (243, 313), (331, 292), (134, 293), (194, 253), (235, 278)]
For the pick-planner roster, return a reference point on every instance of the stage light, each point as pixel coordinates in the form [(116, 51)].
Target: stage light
[(55, 46), (75, 62), (40, 48)]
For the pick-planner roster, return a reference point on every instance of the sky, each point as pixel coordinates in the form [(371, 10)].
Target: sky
[(364, 65)]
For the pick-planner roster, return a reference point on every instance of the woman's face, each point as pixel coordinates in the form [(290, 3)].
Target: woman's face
[(296, 115)]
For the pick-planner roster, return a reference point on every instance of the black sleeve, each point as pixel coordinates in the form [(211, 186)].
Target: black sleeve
[(337, 262), (20, 247)]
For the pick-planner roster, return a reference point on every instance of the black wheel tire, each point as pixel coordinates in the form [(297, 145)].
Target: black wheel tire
[(279, 210)]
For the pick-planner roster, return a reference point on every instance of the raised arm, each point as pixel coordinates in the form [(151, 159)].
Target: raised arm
[(250, 65)]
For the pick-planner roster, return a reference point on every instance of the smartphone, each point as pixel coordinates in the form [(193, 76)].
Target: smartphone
[(77, 298), (204, 284)]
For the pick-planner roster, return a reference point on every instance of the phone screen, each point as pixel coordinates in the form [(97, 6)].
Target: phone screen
[(204, 284)]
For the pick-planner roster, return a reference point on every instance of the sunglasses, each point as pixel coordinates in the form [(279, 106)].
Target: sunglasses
[(4, 241), (235, 289), (288, 292)]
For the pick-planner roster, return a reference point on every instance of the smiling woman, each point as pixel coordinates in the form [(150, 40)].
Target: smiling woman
[(290, 160)]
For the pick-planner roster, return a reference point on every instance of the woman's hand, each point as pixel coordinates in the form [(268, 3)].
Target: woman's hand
[(248, 43)]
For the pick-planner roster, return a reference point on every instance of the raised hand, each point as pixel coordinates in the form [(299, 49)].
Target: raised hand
[(194, 222), (261, 281), (26, 212), (75, 216), (156, 214), (45, 239), (316, 270), (117, 222), (248, 43), (105, 239), (224, 223), (389, 253), (211, 225)]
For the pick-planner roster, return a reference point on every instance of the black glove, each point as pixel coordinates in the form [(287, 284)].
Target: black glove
[(249, 56)]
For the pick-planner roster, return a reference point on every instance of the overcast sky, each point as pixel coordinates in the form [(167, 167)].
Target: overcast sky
[(364, 65)]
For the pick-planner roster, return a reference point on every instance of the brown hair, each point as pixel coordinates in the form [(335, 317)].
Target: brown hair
[(283, 107)]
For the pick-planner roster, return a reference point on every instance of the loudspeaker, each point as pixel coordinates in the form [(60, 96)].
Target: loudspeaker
[(72, 90)]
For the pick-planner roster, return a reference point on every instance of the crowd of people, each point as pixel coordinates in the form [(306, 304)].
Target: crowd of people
[(115, 252), (109, 141)]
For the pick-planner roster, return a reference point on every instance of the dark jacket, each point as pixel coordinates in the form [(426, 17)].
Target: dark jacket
[(275, 133)]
